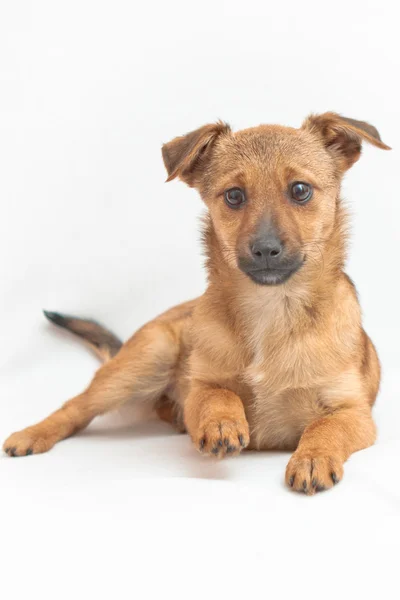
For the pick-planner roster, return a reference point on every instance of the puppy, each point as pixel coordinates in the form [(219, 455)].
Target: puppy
[(273, 355)]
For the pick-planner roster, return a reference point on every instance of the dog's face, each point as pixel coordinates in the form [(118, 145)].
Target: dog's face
[(272, 192)]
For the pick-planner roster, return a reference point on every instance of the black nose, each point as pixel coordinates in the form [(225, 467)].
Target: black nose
[(267, 250)]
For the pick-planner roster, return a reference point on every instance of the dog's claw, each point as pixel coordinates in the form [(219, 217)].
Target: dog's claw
[(224, 438), (311, 474)]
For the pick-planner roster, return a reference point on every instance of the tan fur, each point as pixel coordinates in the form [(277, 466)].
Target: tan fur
[(282, 366)]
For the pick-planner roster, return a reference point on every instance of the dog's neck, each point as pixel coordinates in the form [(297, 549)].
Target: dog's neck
[(295, 304)]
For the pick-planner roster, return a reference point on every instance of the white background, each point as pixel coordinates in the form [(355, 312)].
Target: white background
[(89, 90)]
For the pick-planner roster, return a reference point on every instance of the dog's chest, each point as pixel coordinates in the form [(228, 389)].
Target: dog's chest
[(283, 376), (283, 362)]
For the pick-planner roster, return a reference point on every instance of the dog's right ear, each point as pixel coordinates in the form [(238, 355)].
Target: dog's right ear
[(185, 156)]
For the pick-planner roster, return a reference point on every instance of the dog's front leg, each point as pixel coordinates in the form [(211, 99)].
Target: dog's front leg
[(325, 445), (216, 420)]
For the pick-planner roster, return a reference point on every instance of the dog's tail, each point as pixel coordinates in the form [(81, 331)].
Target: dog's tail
[(104, 343)]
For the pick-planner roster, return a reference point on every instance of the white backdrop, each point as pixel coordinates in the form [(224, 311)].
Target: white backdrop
[(89, 90)]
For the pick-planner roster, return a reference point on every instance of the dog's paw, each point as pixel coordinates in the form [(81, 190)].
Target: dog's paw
[(26, 442), (312, 472), (224, 437)]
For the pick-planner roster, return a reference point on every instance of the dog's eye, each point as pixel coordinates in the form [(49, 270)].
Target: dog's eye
[(234, 197), (301, 192)]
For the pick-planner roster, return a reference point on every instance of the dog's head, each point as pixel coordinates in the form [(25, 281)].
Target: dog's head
[(272, 191)]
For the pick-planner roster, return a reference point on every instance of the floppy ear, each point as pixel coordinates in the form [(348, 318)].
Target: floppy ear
[(343, 137), (185, 156)]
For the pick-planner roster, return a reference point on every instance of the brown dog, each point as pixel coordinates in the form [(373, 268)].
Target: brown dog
[(273, 355)]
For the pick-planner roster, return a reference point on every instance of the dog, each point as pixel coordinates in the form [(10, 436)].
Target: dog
[(273, 355)]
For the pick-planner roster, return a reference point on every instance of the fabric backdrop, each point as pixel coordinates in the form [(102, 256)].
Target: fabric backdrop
[(89, 90)]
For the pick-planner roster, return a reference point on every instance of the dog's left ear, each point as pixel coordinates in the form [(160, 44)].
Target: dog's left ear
[(185, 156), (343, 137)]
